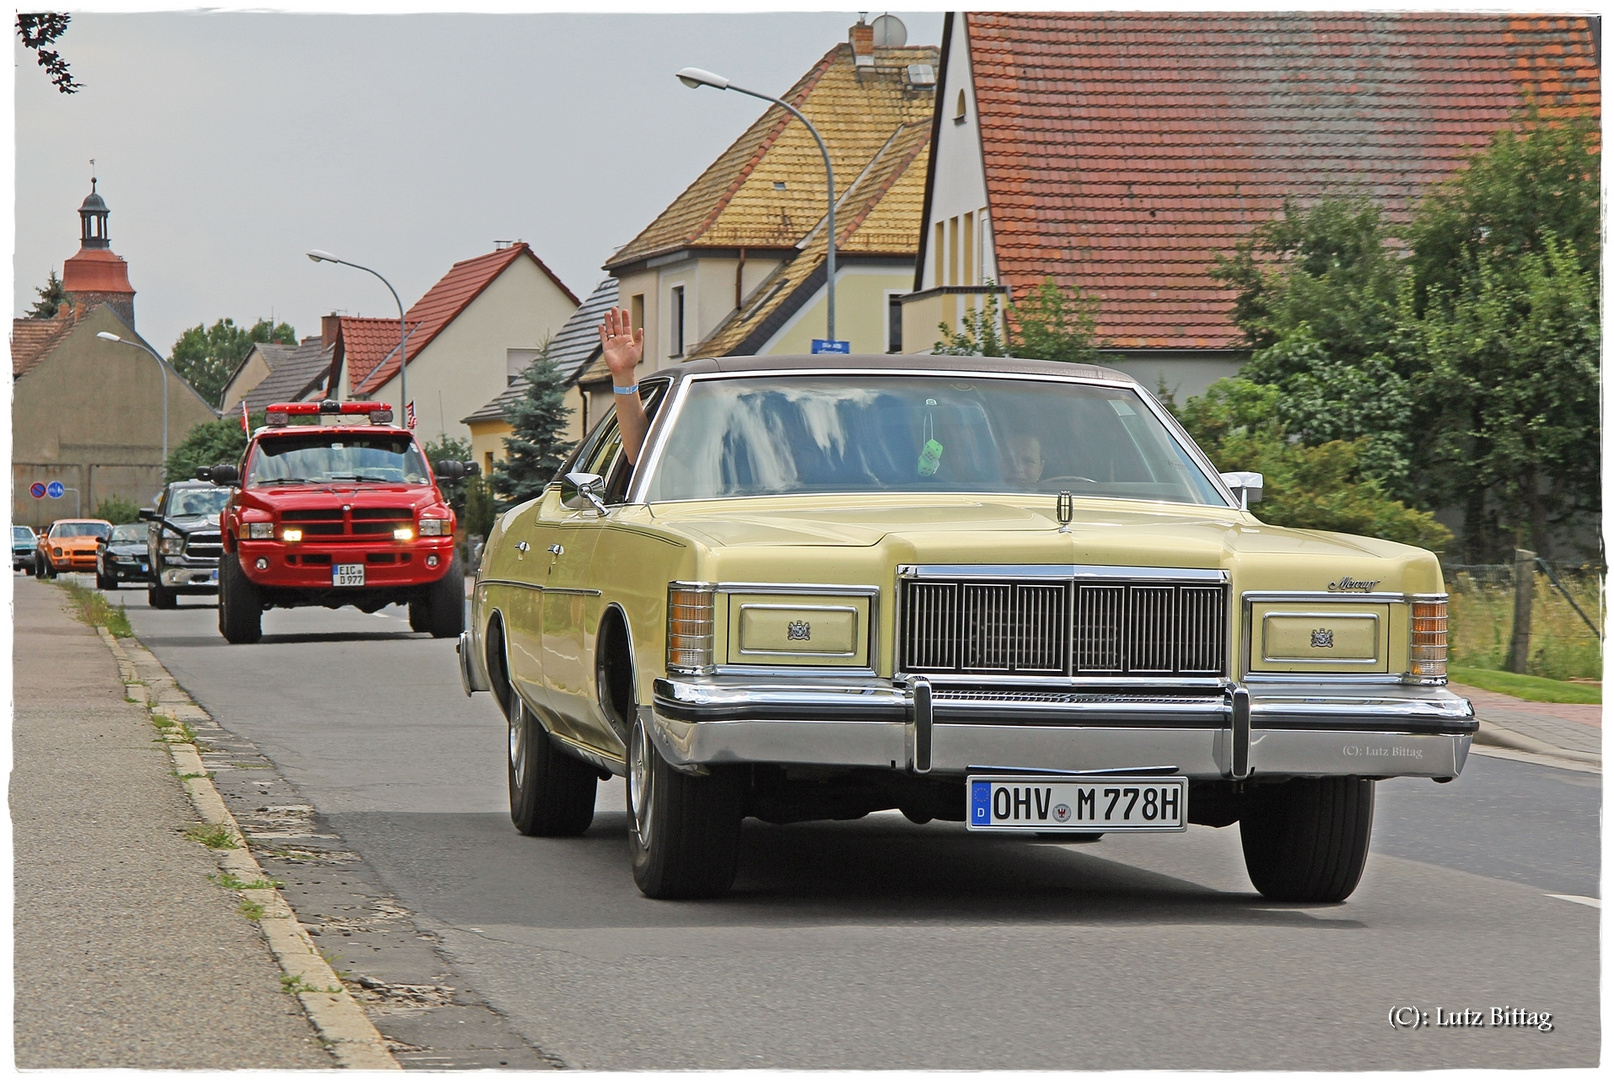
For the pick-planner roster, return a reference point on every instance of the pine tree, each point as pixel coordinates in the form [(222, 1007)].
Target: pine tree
[(535, 447), (51, 298)]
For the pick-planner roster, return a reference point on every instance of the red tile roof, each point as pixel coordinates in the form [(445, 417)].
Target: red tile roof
[(33, 339), (366, 342), (1123, 151), (440, 306)]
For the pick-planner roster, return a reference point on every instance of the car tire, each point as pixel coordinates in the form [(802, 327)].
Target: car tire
[(419, 621), (104, 582), (1306, 840), (160, 596), (28, 568), (683, 831), (240, 609), (444, 604), (551, 792)]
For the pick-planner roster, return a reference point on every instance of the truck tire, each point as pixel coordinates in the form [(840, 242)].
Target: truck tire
[(1306, 840), (240, 609), (159, 595), (683, 831), (551, 792), (444, 605), (419, 620)]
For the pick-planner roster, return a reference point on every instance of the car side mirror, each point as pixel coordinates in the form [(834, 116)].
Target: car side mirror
[(1245, 486), (223, 475), (450, 470), (147, 514), (472, 469), (581, 490)]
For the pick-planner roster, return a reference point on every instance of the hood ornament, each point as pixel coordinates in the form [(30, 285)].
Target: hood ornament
[(1065, 507)]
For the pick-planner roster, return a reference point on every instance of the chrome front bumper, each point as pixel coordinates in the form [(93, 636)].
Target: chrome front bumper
[(1289, 731)]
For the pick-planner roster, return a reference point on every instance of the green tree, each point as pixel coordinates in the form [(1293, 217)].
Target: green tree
[(118, 510), (217, 442), (1509, 400), (1051, 322), (51, 298), (449, 448), (206, 357), (535, 447), (479, 509), (1239, 425)]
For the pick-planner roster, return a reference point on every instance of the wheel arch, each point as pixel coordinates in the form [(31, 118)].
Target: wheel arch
[(496, 659), (616, 669)]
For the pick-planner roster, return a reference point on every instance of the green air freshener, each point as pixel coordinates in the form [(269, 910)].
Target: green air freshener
[(930, 458)]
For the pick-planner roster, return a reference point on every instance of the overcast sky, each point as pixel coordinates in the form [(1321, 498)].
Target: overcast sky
[(228, 144)]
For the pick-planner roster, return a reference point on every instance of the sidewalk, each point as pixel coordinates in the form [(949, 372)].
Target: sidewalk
[(126, 955), (1574, 732)]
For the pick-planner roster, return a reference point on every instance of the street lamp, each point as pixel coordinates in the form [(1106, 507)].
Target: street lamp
[(162, 370), (403, 335), (695, 78)]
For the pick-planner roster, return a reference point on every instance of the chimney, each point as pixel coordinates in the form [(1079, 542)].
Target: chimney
[(862, 37), (329, 326)]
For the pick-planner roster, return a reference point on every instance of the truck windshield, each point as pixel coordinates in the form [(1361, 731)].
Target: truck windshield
[(318, 458), (807, 434), (199, 501)]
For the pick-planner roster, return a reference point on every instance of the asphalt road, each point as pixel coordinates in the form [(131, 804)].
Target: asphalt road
[(880, 944)]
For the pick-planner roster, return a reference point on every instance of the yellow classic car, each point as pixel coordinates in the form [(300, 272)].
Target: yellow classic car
[(1003, 592)]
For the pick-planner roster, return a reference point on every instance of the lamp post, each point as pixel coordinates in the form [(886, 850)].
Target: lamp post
[(403, 334), (695, 78), (162, 371)]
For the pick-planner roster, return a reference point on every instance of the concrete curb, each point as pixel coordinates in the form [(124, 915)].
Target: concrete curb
[(339, 1019), (1491, 735)]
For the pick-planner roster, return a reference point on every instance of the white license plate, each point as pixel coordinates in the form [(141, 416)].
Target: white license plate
[(1085, 804), (347, 574)]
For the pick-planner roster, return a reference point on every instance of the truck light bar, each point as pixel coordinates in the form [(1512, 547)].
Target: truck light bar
[(280, 413)]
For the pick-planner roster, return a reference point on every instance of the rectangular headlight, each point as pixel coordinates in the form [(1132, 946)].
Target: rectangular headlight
[(260, 530), (291, 536), (434, 526), (171, 545), (1429, 644), (690, 627), (403, 532)]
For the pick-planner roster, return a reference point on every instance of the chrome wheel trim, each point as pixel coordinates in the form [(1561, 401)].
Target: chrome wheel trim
[(518, 735), (639, 804)]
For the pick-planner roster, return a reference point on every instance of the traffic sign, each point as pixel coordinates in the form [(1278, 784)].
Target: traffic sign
[(55, 489), (823, 345), (37, 490)]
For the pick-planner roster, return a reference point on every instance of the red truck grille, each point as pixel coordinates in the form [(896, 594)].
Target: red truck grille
[(361, 523)]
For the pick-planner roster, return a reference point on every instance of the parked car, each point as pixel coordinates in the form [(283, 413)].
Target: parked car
[(347, 512), (69, 546), (24, 549), (1004, 592), (122, 557), (182, 542)]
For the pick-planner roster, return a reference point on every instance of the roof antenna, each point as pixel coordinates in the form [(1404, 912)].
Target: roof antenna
[(92, 176)]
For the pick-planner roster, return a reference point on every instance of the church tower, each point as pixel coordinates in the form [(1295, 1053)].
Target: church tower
[(95, 275)]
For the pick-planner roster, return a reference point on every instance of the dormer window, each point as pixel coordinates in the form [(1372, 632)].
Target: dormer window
[(778, 185), (958, 110)]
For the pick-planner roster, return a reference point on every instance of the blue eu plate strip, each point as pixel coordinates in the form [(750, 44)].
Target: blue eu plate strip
[(981, 802)]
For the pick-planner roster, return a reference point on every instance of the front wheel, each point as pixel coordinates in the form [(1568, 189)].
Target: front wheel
[(1306, 840), (551, 792), (442, 611), (683, 831), (102, 581), (240, 608)]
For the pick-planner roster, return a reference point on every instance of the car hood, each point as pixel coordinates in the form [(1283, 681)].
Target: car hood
[(75, 542), (736, 534), (323, 496), (193, 522), (127, 547)]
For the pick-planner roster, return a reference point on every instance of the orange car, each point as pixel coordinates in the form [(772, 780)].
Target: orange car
[(70, 546)]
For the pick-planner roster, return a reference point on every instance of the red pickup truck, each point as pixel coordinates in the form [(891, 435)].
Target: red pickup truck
[(343, 511)]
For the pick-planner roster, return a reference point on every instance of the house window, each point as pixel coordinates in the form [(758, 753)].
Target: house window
[(952, 251), (515, 362), (893, 322), (677, 321), (969, 277), (941, 252), (487, 463), (636, 311)]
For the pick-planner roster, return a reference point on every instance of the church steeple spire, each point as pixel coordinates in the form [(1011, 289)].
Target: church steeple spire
[(92, 215)]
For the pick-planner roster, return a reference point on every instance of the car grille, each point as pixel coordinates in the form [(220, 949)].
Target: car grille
[(1117, 627), (204, 545), (361, 523)]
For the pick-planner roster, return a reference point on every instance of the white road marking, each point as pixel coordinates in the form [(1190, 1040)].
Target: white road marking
[(1589, 901)]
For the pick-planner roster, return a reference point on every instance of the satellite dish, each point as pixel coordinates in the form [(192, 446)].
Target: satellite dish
[(889, 33)]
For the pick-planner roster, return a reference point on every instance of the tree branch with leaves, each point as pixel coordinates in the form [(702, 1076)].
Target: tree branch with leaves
[(37, 30)]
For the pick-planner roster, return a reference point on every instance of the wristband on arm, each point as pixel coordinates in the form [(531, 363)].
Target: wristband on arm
[(626, 390)]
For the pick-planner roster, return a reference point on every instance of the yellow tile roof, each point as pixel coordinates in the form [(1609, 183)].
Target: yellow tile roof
[(735, 203)]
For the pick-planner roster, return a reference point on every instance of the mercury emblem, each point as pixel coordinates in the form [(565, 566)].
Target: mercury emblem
[(1322, 639), (800, 630)]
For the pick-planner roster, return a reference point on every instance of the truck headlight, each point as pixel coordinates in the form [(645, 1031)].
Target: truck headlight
[(403, 532), (690, 626), (260, 530), (173, 545), (291, 536), (434, 527), (1429, 644)]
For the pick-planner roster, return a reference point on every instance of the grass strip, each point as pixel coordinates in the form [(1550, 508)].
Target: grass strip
[(1528, 687), (90, 607)]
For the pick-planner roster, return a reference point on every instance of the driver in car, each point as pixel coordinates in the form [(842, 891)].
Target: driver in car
[(1022, 458)]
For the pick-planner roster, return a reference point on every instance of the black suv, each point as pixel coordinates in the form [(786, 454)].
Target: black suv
[(182, 541)]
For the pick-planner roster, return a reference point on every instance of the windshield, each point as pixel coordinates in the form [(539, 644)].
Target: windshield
[(782, 435), (189, 501), (316, 458), (21, 532), (63, 530), (127, 534)]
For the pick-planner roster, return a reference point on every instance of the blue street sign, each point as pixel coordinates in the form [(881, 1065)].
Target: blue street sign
[(55, 489), (37, 490), (821, 345)]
